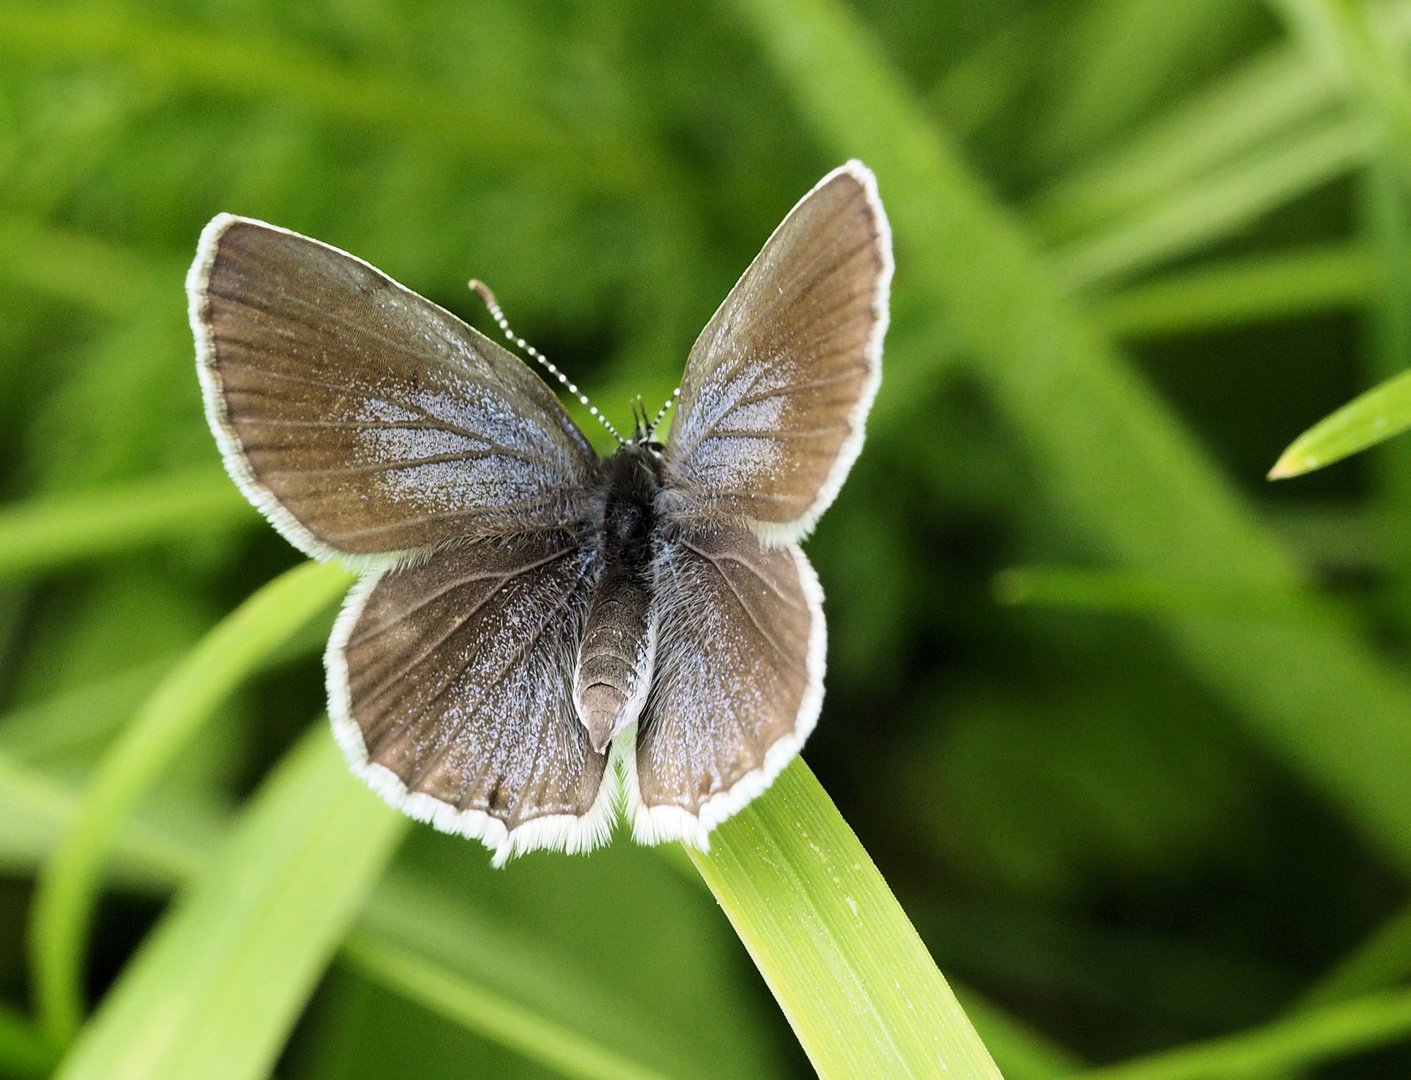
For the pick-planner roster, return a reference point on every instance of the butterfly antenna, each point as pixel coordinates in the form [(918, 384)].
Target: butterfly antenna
[(499, 316), (661, 413)]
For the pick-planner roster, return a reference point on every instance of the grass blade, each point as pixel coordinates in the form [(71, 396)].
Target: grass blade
[(1125, 591), (1366, 420), (1349, 43), (155, 852), (78, 719), (411, 916), (1386, 222), (1306, 1038), (1343, 37), (481, 1010), (1236, 291), (1273, 93), (1262, 101), (55, 531), (1383, 960), (216, 988), (988, 79), (151, 851), (69, 882), (856, 983), (1209, 208)]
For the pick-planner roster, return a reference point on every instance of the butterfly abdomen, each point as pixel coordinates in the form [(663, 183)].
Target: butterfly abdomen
[(616, 656)]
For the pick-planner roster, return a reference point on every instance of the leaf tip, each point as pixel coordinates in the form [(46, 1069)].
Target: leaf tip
[(1294, 462)]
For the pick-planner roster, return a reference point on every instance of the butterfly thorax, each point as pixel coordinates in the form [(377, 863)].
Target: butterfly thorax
[(615, 658)]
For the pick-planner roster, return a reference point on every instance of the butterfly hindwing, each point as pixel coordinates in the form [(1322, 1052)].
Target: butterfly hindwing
[(778, 385), (450, 684), (738, 680), (359, 416)]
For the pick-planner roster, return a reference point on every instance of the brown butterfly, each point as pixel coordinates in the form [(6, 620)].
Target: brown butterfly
[(541, 637)]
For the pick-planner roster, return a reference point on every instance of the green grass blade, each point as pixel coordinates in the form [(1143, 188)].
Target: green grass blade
[(77, 721), (154, 852), (1127, 591), (1342, 35), (1271, 94), (1307, 1038), (856, 983), (486, 1013), (151, 851), (1213, 206), (1112, 454), (1378, 414), (1383, 960), (1385, 211), (81, 718), (1237, 291), (54, 531), (68, 884), (216, 988), (1372, 71)]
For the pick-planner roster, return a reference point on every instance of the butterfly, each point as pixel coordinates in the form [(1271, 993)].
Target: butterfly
[(540, 638)]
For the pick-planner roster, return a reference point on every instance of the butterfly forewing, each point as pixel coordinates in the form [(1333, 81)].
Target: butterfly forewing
[(363, 418), (778, 385), (738, 681), (451, 687)]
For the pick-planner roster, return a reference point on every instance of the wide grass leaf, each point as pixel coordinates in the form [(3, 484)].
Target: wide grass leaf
[(855, 981)]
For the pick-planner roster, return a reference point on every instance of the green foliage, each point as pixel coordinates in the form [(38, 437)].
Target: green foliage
[(221, 981), (1148, 811), (165, 723)]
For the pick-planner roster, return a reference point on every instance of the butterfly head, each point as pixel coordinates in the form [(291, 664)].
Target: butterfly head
[(644, 428), (644, 433)]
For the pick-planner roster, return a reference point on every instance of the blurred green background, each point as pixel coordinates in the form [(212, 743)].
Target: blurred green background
[(1134, 797)]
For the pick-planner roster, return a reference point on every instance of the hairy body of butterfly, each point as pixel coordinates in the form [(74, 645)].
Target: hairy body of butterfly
[(542, 638), (614, 670)]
